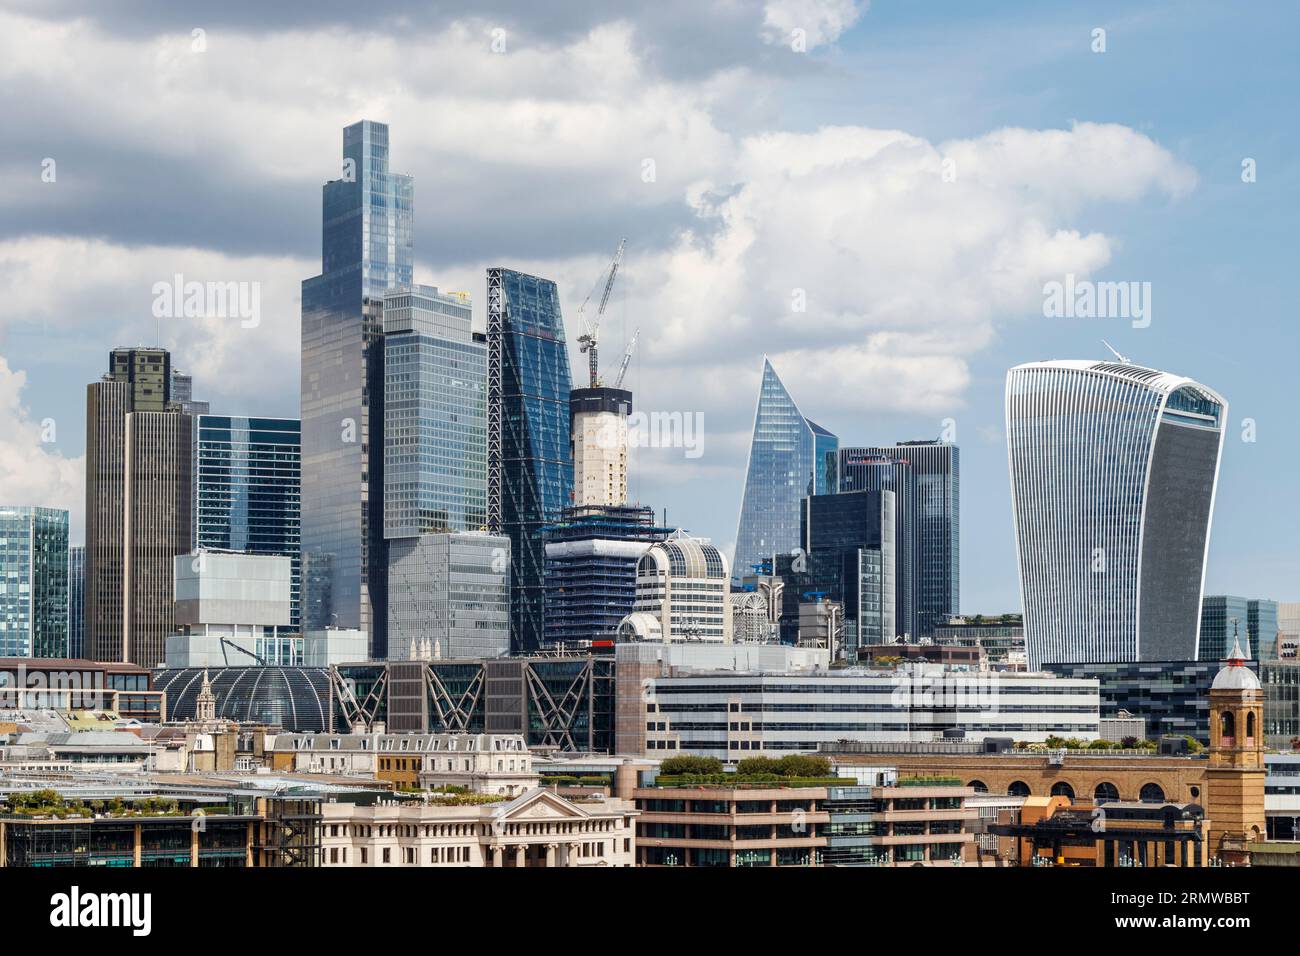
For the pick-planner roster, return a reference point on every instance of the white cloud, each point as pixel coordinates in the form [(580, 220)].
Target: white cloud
[(32, 471), (823, 21)]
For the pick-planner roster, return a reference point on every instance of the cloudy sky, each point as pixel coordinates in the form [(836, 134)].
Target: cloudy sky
[(873, 195)]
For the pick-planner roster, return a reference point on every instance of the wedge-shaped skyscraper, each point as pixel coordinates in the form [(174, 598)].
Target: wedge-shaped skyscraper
[(1113, 475), (790, 458)]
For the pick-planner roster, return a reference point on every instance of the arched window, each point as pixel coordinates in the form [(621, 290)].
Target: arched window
[(1018, 788), (978, 786), (1151, 793), (1063, 789), (1227, 724), (1105, 793), (1250, 724)]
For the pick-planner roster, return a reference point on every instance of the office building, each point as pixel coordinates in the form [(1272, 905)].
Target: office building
[(790, 458), (1113, 475), (847, 557), (1288, 629), (880, 469), (139, 500), (449, 596), (33, 582), (598, 426), (366, 250), (1281, 682), (1000, 638), (248, 490), (448, 831), (233, 609), (1226, 618), (562, 700), (927, 481), (1171, 696), (762, 705), (529, 455), (435, 415), (591, 561), (183, 394), (77, 601), (682, 588)]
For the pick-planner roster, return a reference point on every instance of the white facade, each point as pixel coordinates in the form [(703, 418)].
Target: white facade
[(226, 587), (335, 645), (497, 764), (537, 829), (736, 715), (600, 458), (685, 583)]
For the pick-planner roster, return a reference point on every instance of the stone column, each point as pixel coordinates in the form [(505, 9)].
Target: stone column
[(520, 852), (571, 857), (550, 854)]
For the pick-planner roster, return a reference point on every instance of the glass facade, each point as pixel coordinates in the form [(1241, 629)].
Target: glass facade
[(366, 250), (1225, 618), (936, 488), (435, 415), (1172, 696), (33, 582), (591, 559), (248, 490), (882, 469), (449, 596), (1113, 473), (530, 460), (77, 601), (850, 559), (295, 698), (790, 458)]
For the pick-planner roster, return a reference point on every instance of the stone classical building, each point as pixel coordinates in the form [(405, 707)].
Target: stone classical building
[(537, 829)]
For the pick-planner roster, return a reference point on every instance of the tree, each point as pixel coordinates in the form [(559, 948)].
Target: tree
[(687, 765)]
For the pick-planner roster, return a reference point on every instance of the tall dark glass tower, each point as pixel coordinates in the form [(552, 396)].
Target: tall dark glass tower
[(881, 469), (366, 249), (248, 490), (932, 493), (529, 459), (790, 458)]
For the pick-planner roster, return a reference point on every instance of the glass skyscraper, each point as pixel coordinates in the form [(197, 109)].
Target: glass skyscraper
[(366, 250), (77, 601), (33, 582), (247, 490), (790, 458), (882, 469), (927, 480), (529, 458), (1113, 475), (1225, 617), (435, 415), (591, 559)]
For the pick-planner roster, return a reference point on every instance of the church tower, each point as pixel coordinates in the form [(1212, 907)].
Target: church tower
[(1234, 780)]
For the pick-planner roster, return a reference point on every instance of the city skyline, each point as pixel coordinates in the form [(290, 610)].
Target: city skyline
[(1175, 182)]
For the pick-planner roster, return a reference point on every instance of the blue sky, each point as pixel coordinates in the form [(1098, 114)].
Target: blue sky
[(775, 170)]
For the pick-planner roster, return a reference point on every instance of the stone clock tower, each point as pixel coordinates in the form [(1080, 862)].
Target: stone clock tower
[(1234, 780)]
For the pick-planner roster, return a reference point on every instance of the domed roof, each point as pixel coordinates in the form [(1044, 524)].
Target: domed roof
[(640, 626), (1234, 674)]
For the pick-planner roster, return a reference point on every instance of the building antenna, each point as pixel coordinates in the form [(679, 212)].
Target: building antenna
[(1115, 353)]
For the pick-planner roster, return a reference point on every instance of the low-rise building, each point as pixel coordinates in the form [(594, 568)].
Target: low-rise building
[(538, 828), (483, 763)]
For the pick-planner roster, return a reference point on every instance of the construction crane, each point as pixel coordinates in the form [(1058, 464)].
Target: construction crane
[(591, 330), (627, 357)]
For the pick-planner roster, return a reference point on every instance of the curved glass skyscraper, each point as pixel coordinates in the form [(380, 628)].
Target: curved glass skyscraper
[(790, 458), (1113, 476)]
